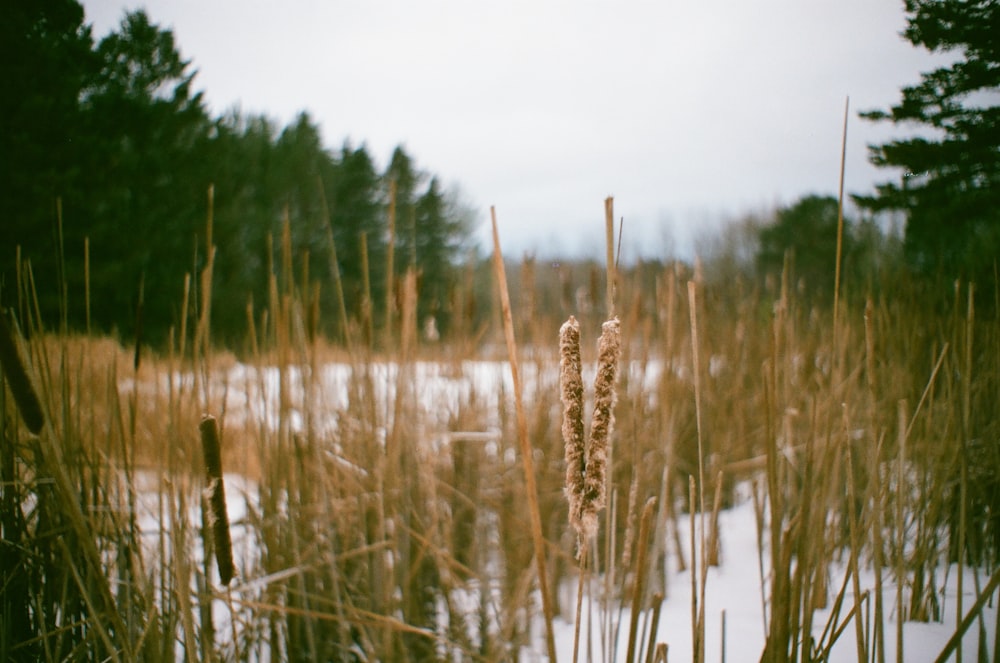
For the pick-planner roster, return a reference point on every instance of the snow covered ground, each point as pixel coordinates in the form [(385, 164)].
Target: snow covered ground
[(252, 392), (735, 589)]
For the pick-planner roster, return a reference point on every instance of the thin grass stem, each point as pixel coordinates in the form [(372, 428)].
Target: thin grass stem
[(523, 441)]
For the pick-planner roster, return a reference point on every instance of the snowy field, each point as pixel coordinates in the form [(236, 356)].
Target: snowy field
[(733, 595), (735, 608), (254, 393), (734, 588)]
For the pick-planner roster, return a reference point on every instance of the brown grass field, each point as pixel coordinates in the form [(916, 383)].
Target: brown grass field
[(371, 517)]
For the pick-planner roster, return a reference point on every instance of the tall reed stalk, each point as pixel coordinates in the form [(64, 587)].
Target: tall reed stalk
[(523, 441)]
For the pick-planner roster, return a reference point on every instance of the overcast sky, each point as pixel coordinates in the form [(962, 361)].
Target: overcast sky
[(687, 112)]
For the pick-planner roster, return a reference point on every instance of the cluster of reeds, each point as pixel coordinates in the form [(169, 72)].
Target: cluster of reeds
[(378, 529), (64, 511)]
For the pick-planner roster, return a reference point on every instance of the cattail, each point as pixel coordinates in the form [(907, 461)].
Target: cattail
[(215, 496), (605, 397), (571, 390), (19, 382), (586, 466)]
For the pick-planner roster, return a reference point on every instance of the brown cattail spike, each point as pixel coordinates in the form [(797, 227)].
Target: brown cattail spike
[(605, 397), (571, 391), (19, 382), (215, 496)]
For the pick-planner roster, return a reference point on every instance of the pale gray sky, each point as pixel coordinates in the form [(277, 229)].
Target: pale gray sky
[(686, 112)]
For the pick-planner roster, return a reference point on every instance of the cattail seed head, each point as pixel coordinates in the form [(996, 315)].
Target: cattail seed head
[(605, 397), (215, 497), (586, 462), (571, 394), (19, 382)]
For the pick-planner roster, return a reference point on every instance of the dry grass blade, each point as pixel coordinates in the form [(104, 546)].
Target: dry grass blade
[(390, 274), (970, 618), (901, 529), (640, 576), (523, 442), (840, 223), (609, 227), (95, 614), (578, 619), (657, 605)]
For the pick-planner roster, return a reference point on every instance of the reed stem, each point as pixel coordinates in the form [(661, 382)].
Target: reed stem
[(523, 441)]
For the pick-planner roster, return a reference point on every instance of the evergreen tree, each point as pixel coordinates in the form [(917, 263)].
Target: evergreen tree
[(247, 210), (432, 227), (950, 190), (117, 132), (356, 209), (950, 185), (808, 230), (407, 178), (439, 232), (150, 187), (301, 164), (46, 61)]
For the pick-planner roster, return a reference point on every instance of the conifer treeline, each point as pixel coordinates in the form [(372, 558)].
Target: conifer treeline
[(109, 150)]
